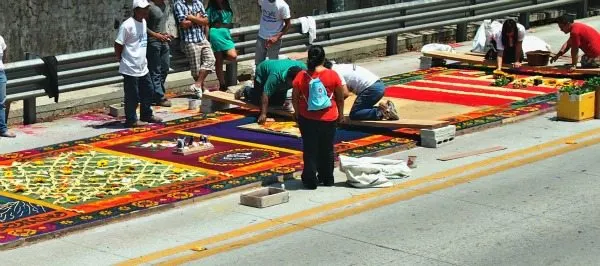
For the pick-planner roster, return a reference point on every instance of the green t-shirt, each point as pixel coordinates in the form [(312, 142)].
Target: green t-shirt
[(271, 74), (219, 16)]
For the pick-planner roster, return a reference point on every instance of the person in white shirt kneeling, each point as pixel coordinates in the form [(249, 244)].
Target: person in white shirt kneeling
[(130, 49), (369, 90)]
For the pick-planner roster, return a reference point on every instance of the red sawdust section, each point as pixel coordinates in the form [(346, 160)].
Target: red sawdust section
[(484, 82), (444, 97), (465, 88)]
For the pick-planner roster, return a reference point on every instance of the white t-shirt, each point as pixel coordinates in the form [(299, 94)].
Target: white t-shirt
[(355, 77), (2, 48), (497, 35), (134, 38), (272, 18)]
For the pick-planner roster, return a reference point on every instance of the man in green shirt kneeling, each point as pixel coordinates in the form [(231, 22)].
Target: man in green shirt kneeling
[(272, 82)]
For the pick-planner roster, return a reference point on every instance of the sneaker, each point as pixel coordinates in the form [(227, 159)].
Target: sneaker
[(164, 103), (383, 108), (8, 134), (288, 106), (152, 120), (392, 112), (239, 94), (197, 91), (135, 124)]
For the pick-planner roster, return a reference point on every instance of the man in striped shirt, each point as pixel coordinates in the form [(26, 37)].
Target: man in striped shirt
[(193, 22)]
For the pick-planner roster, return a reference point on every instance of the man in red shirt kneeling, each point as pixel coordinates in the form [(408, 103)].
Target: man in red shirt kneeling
[(582, 37)]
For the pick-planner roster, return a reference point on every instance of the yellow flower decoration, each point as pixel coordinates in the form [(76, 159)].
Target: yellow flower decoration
[(86, 217), (124, 208), (218, 186), (66, 222), (67, 170), (38, 162), (105, 213), (145, 203), (178, 171), (9, 174), (102, 163), (180, 195), (22, 232)]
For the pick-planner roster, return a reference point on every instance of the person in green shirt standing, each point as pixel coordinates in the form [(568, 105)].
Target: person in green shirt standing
[(272, 82), (220, 18)]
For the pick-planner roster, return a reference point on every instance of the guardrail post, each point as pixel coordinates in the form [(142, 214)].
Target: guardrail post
[(582, 9), (391, 47), (231, 73), (461, 28), (29, 111), (524, 16), (29, 104)]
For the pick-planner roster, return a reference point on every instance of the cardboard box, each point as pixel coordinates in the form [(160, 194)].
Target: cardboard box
[(575, 107), (265, 197)]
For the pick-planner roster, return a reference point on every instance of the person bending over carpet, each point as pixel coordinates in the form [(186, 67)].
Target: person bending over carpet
[(582, 37), (508, 43), (369, 90), (318, 99), (272, 81)]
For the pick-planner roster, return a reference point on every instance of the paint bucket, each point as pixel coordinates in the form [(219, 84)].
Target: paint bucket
[(412, 161), (192, 104)]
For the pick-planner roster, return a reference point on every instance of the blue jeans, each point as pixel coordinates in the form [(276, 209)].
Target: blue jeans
[(363, 108), (137, 90), (3, 127), (158, 64)]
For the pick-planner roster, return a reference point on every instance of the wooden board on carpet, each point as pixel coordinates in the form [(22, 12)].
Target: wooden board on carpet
[(472, 153), (402, 123), (288, 129), (478, 59), (461, 57)]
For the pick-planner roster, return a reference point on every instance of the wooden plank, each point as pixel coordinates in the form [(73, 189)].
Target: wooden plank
[(461, 57), (475, 59), (471, 153), (225, 97)]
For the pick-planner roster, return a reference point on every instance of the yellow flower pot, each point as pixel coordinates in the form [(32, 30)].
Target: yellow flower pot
[(597, 111), (576, 107)]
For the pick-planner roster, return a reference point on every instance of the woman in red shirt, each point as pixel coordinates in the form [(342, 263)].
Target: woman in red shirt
[(317, 127)]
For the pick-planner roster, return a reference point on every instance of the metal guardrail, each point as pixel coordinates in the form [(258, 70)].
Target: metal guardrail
[(95, 68)]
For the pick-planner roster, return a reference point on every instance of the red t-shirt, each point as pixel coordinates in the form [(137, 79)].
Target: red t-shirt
[(587, 38), (331, 80)]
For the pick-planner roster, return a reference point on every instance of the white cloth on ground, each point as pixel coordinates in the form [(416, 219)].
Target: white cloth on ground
[(309, 25), (437, 47), (368, 172)]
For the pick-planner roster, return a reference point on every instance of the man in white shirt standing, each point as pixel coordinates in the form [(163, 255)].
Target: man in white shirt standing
[(369, 90), (274, 23), (130, 49)]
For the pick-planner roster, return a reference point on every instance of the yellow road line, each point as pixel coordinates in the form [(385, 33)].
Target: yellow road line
[(249, 144), (182, 166), (376, 204), (461, 92), (358, 198), (31, 200)]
